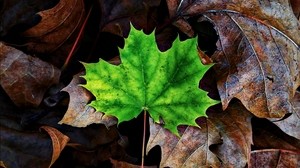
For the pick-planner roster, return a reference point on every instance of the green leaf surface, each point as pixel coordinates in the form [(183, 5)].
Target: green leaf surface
[(165, 84)]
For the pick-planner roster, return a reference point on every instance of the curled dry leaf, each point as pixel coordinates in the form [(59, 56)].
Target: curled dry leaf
[(25, 78), (2, 164), (223, 139), (258, 54), (79, 114), (16, 13), (279, 15), (59, 141), (291, 124), (21, 148), (57, 30), (274, 158)]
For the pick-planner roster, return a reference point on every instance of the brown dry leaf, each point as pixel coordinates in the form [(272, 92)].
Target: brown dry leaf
[(57, 30), (79, 114), (2, 164), (291, 124), (277, 14), (296, 8), (224, 139), (59, 141), (273, 158), (257, 64), (267, 135), (118, 164), (258, 54), (25, 78), (116, 15)]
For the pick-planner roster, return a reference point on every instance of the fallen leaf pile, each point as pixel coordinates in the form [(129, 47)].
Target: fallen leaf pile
[(47, 118)]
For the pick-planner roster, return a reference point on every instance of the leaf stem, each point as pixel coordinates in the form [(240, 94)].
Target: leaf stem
[(77, 40), (144, 139)]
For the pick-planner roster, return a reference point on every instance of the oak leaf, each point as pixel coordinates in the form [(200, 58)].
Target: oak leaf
[(224, 139), (274, 158), (266, 135), (291, 124), (79, 114), (258, 53)]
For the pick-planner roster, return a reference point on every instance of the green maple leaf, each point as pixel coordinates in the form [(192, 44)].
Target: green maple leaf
[(165, 84)]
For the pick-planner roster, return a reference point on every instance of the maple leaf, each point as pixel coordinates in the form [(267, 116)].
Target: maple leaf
[(224, 140), (163, 83)]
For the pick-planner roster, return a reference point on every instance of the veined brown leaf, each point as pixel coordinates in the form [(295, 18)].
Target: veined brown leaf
[(57, 31), (291, 124), (25, 78), (274, 158), (79, 114), (258, 54), (223, 139)]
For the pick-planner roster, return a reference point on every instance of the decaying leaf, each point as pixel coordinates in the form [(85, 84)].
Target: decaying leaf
[(56, 32), (291, 124), (21, 148), (25, 78), (116, 15), (165, 84), (16, 13), (224, 138), (257, 64), (59, 141), (258, 51), (79, 114), (2, 164), (296, 8), (279, 15), (274, 158), (266, 135)]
